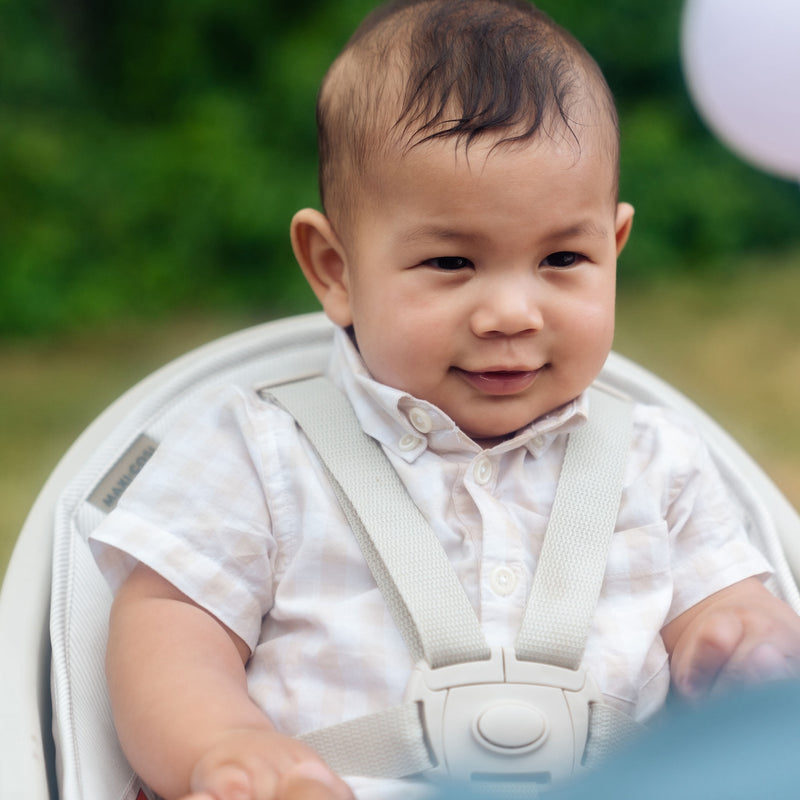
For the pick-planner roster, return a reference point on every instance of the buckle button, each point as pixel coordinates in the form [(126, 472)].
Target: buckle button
[(511, 728)]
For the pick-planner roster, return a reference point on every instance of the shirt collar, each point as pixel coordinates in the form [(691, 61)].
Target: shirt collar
[(407, 426)]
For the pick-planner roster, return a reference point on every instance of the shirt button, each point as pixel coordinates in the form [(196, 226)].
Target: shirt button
[(483, 471), (409, 442), (421, 420), (537, 442), (503, 581)]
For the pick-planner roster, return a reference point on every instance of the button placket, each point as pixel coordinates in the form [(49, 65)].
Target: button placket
[(483, 470), (420, 419), (409, 442), (503, 581)]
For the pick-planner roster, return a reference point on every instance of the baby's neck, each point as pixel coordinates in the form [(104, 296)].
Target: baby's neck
[(493, 441)]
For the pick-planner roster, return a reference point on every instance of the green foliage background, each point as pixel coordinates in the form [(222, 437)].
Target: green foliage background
[(152, 154)]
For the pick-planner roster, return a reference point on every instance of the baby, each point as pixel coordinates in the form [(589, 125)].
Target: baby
[(467, 253)]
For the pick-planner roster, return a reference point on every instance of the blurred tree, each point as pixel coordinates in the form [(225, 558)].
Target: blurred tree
[(152, 154), (698, 207)]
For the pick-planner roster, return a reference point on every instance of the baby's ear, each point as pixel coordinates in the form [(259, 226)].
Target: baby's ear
[(322, 258), (623, 225)]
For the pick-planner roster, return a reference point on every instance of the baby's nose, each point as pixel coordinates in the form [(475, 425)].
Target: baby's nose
[(509, 309)]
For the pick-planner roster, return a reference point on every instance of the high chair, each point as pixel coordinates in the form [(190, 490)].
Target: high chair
[(56, 735)]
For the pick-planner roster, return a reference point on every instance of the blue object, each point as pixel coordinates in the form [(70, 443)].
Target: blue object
[(744, 745)]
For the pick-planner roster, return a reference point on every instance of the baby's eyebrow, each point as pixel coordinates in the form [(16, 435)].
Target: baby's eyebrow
[(587, 228), (440, 233), (437, 233)]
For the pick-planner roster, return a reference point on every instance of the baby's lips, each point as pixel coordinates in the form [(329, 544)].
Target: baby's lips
[(500, 381)]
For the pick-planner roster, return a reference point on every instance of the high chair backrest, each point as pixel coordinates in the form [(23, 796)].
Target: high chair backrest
[(64, 609)]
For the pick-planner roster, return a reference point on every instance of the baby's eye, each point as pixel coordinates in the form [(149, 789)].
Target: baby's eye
[(449, 263), (562, 259)]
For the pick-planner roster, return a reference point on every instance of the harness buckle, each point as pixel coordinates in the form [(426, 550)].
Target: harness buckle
[(504, 719)]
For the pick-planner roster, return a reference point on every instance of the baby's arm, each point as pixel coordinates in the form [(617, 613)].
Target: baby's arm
[(740, 634), (183, 715)]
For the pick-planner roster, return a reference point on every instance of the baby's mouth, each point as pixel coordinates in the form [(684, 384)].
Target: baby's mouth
[(500, 381)]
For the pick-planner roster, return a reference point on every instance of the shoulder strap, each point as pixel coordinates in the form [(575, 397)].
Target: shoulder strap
[(559, 612), (423, 593)]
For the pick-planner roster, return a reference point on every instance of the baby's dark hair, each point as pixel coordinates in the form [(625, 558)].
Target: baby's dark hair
[(418, 70)]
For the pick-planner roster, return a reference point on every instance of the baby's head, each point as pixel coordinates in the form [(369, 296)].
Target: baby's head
[(458, 70), (468, 172)]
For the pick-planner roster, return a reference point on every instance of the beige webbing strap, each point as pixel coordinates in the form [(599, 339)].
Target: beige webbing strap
[(610, 730), (387, 744), (391, 744), (421, 588), (409, 564), (572, 563)]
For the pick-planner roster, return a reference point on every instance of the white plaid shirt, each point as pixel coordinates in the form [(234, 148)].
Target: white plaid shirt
[(234, 510)]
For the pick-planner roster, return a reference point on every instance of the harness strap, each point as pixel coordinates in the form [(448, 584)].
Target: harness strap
[(427, 602), (423, 593), (609, 730), (559, 613), (392, 743), (387, 744)]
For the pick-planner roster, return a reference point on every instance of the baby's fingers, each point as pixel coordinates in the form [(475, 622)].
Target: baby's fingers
[(703, 656), (226, 782), (312, 780), (765, 662)]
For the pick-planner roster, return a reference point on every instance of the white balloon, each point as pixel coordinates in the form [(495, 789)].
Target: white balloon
[(741, 59)]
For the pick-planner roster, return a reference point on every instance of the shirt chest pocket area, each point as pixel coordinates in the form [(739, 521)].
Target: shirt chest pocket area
[(625, 649), (639, 561)]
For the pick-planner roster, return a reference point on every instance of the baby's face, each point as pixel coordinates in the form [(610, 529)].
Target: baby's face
[(486, 285)]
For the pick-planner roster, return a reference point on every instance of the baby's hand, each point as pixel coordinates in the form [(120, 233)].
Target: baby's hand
[(740, 635), (264, 765)]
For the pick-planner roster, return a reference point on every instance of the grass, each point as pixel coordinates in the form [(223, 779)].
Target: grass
[(51, 390), (732, 343)]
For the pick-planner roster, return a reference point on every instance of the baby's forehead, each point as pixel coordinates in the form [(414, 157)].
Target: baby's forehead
[(567, 148), (590, 132)]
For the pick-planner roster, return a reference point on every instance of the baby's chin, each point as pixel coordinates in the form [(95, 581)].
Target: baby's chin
[(491, 440)]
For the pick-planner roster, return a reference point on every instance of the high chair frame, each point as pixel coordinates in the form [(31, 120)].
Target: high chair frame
[(54, 603)]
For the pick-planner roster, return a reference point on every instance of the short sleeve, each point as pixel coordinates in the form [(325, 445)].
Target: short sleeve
[(197, 514), (710, 549)]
